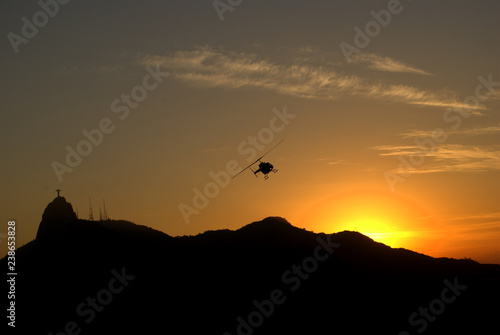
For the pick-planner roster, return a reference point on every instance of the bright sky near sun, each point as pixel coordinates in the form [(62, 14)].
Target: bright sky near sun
[(389, 111)]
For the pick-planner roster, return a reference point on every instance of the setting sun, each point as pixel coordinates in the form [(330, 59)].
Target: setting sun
[(394, 221)]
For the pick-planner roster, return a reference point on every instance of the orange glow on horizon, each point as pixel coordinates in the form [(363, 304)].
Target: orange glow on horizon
[(395, 221)]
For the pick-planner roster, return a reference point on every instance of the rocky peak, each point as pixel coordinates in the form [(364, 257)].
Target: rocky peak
[(56, 216)]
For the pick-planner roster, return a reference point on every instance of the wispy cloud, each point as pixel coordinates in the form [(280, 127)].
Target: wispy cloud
[(415, 96), (488, 130), (495, 216), (450, 157), (387, 64), (337, 162), (480, 226), (207, 68), (333, 161), (81, 70), (217, 149)]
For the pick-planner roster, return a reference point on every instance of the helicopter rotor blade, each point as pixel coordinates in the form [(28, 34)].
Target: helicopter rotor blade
[(269, 150), (244, 169), (247, 167)]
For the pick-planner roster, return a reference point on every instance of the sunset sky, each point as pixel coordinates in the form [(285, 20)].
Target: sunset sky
[(389, 111)]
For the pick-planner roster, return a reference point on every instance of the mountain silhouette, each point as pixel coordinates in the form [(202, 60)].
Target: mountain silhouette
[(268, 277)]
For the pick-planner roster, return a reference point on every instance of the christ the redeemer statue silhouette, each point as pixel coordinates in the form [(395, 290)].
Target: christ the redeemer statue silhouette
[(58, 190)]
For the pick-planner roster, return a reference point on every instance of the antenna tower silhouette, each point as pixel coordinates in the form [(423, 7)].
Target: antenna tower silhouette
[(91, 215), (105, 213)]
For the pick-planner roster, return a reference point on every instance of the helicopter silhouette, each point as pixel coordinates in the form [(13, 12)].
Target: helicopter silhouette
[(264, 167)]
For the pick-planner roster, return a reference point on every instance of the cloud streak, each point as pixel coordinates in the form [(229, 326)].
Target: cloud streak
[(494, 216), (387, 64), (477, 226), (208, 68), (450, 157), (489, 130), (84, 70)]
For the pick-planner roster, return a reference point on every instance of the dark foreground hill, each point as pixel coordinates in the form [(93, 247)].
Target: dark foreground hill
[(269, 277)]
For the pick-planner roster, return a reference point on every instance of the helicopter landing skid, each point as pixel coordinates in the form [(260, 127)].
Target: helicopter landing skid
[(266, 177)]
